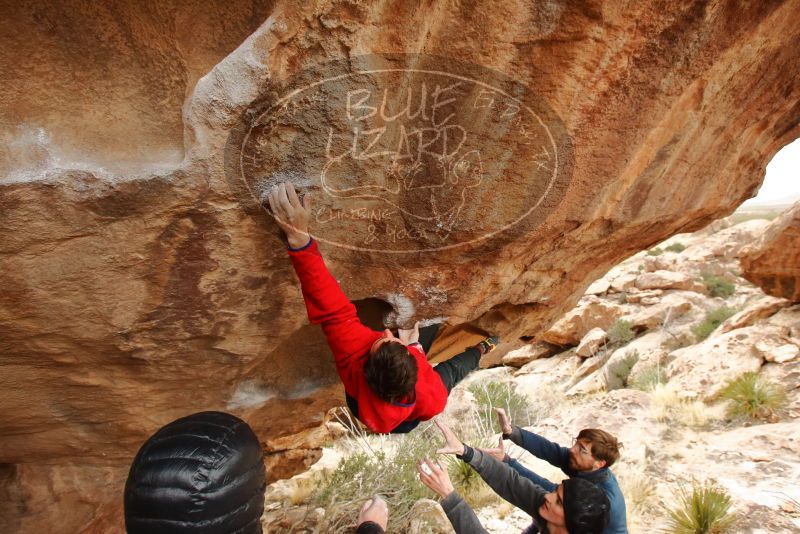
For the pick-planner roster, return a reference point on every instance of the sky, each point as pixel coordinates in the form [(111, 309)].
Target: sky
[(782, 182)]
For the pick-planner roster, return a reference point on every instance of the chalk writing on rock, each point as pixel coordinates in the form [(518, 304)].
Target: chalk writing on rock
[(408, 153)]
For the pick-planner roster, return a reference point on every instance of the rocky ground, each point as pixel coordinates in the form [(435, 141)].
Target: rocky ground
[(629, 359)]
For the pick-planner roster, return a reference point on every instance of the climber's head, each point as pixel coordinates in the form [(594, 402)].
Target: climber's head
[(577, 505), (390, 371), (201, 473)]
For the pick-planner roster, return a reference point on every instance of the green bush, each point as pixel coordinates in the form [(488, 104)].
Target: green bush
[(718, 286), (754, 397), (389, 471), (621, 333), (491, 395), (649, 378), (655, 252), (618, 371), (676, 247), (704, 510), (713, 319)]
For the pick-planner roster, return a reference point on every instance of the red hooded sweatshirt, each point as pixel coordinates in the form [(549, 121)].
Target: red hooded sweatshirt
[(350, 341)]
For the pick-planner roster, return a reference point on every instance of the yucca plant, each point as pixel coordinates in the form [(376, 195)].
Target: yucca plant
[(752, 396), (466, 480), (706, 509)]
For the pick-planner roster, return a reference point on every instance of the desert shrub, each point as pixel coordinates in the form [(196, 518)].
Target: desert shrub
[(620, 333), (713, 319), (667, 406), (649, 378), (388, 469), (754, 397), (706, 509), (657, 251), (638, 488), (676, 247), (718, 286), (617, 374), (491, 395)]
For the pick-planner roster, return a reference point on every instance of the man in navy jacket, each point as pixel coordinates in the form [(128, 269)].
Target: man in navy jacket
[(593, 452)]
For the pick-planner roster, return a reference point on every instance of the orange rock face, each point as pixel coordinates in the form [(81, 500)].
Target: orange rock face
[(773, 262), (481, 164)]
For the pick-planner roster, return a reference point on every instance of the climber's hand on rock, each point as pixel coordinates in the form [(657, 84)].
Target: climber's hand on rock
[(505, 422), (408, 336), (291, 214)]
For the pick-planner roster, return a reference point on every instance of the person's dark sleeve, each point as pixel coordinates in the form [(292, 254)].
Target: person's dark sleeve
[(461, 516), (506, 482), (538, 446), (533, 477)]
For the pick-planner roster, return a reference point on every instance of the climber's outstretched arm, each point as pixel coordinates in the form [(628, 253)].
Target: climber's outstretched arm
[(326, 303)]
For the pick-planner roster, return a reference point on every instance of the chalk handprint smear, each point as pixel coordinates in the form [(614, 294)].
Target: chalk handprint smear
[(409, 158)]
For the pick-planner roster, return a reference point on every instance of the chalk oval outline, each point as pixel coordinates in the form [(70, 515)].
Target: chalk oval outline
[(282, 101)]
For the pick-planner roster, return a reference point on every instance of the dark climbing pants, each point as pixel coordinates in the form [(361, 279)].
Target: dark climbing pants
[(452, 372)]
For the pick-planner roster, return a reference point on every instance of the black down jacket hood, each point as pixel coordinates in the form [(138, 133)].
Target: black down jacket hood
[(202, 473)]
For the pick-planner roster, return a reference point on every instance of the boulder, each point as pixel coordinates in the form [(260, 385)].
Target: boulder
[(598, 287), (773, 262), (143, 280), (704, 369), (587, 385), (670, 307), (650, 295), (590, 313), (551, 372), (724, 243), (624, 282), (528, 352), (658, 263), (590, 365), (591, 342), (775, 349), (788, 318), (668, 280), (762, 308)]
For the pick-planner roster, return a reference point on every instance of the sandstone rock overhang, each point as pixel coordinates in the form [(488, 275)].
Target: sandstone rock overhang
[(139, 286)]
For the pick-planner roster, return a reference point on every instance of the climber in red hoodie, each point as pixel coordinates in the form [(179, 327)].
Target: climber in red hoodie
[(389, 383)]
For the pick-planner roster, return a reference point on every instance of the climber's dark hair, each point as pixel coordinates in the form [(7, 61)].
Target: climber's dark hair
[(586, 507), (391, 372), (203, 473)]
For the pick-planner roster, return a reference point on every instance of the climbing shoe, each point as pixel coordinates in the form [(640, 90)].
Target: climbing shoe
[(487, 345)]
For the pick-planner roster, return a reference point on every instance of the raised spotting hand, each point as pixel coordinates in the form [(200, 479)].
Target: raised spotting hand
[(505, 421), (435, 477), (452, 445), (499, 452)]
